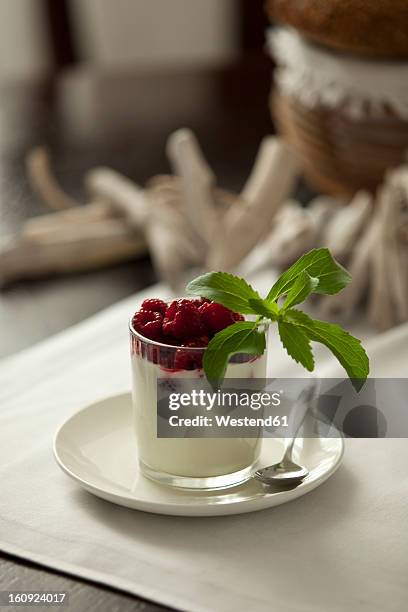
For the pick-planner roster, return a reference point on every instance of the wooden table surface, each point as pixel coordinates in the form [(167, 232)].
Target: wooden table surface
[(122, 121)]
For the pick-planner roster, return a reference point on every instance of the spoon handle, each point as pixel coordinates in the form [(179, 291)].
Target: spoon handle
[(304, 400)]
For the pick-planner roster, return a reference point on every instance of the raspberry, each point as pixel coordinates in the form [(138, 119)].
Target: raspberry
[(200, 301), (191, 360), (153, 330), (175, 305), (188, 360), (168, 327), (184, 361), (187, 323), (140, 318), (148, 324), (216, 317), (155, 306), (203, 307), (171, 310), (182, 320)]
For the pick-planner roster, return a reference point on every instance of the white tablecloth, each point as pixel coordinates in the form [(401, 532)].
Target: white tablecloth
[(342, 547)]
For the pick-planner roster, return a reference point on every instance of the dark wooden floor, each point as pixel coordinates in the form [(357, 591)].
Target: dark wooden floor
[(119, 120)]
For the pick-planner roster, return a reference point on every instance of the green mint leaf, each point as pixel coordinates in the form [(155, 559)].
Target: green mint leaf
[(296, 344), (241, 337), (303, 286), (319, 264), (267, 309), (347, 349), (227, 289)]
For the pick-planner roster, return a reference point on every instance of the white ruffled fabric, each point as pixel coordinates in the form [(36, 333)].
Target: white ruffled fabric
[(317, 77)]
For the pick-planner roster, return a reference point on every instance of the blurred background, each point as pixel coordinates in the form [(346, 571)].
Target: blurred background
[(91, 92), (40, 35), (104, 83)]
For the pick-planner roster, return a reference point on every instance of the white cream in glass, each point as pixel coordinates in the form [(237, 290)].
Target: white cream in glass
[(206, 463)]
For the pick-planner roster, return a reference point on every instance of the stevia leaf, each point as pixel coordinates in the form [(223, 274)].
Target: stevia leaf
[(303, 286), (319, 264), (231, 291), (346, 348), (296, 344), (241, 337)]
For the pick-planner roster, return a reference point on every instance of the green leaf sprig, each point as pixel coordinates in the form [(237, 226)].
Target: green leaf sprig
[(315, 272)]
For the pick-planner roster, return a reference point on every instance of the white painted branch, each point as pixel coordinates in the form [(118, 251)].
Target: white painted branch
[(125, 195), (170, 256), (197, 180), (346, 225), (388, 296), (380, 307), (44, 183), (360, 269), (71, 249), (78, 215), (173, 185), (172, 242), (370, 235), (292, 233), (269, 185), (227, 199), (272, 175), (398, 177)]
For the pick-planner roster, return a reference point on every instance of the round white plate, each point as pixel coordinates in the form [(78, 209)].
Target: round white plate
[(97, 448)]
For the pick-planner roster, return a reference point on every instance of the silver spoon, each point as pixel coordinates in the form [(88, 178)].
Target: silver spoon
[(286, 472)]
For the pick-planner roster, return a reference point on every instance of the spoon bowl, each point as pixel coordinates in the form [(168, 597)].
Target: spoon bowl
[(284, 474)]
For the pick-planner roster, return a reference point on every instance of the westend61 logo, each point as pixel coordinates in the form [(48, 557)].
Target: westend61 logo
[(225, 399), (233, 409)]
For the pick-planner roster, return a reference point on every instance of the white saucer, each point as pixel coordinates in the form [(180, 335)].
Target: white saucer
[(97, 448)]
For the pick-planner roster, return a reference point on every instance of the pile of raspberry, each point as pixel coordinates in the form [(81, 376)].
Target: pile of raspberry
[(184, 323)]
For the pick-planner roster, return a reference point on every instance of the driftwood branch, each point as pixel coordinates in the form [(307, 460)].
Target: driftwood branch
[(172, 242), (122, 194), (79, 216), (197, 182), (370, 238), (344, 229), (268, 186), (44, 183), (69, 249)]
